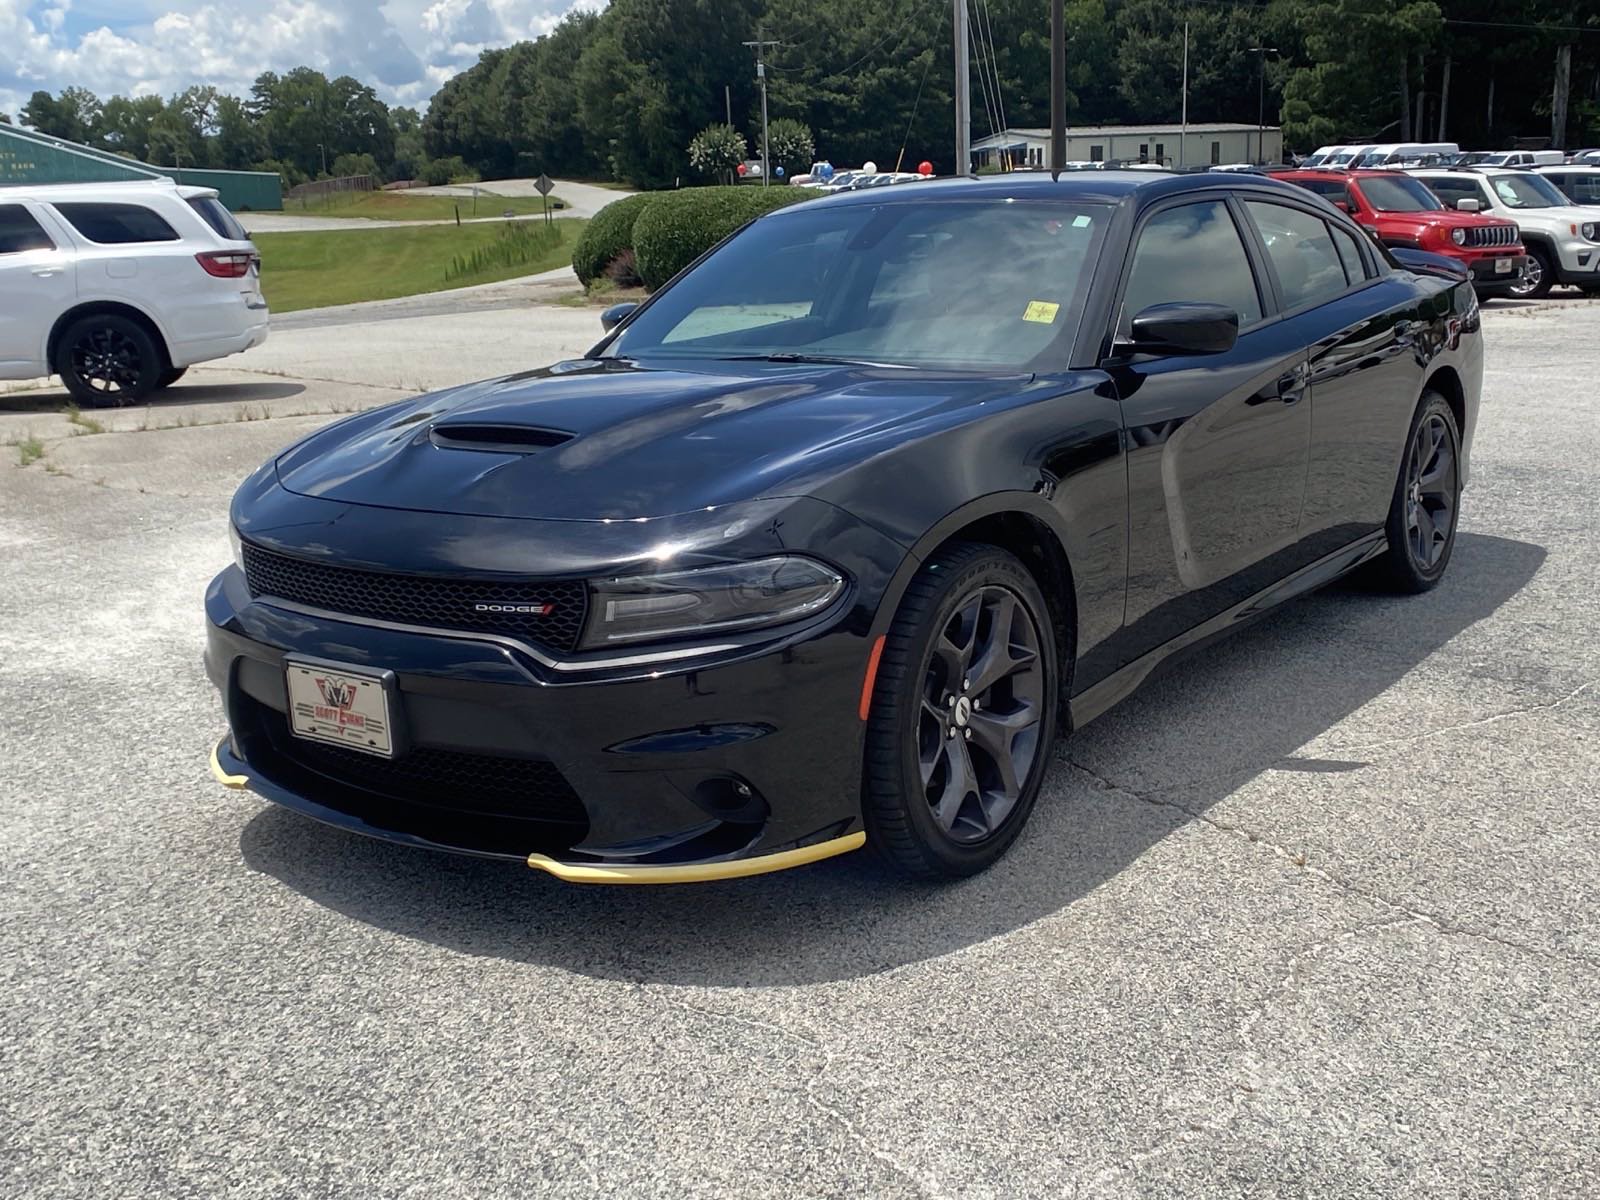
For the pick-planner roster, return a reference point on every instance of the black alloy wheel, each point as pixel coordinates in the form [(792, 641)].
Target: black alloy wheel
[(963, 715), (1421, 529), (1537, 277), (108, 360)]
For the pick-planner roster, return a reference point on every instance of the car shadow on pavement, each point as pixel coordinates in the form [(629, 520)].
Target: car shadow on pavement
[(1221, 717), (53, 400)]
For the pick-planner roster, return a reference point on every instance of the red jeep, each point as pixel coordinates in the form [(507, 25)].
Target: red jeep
[(1398, 210)]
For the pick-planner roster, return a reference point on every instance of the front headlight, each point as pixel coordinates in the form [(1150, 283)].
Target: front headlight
[(1589, 231), (1458, 236), (238, 546), (726, 598)]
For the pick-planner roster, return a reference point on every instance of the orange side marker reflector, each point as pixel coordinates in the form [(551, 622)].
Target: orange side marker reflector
[(872, 676)]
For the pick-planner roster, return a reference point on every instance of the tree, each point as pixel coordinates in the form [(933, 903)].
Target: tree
[(74, 116), (355, 164), (717, 151), (790, 145), (239, 140), (125, 124)]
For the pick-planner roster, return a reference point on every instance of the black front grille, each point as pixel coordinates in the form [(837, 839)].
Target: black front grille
[(460, 784), (552, 613), (1492, 235)]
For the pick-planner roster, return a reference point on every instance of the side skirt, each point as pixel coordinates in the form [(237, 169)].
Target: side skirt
[(1121, 684)]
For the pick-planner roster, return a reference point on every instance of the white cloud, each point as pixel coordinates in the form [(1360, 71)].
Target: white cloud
[(404, 48)]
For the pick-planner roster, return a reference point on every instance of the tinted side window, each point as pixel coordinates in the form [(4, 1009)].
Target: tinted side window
[(1302, 253), (1355, 268), (117, 224), (19, 231), (1333, 189), (1192, 253), (215, 214)]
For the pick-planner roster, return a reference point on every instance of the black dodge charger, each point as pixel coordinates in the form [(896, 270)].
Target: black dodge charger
[(825, 543)]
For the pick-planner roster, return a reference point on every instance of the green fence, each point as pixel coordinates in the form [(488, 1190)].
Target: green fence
[(27, 156)]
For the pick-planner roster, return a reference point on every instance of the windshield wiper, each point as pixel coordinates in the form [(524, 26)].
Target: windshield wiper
[(819, 359)]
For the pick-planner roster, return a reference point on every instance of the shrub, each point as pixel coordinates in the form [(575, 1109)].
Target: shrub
[(624, 269), (355, 164), (445, 170), (791, 146), (717, 151), (607, 236), (678, 227)]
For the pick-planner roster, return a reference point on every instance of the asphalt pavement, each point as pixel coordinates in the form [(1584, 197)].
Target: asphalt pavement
[(1313, 915)]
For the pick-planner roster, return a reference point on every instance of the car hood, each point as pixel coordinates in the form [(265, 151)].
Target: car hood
[(1450, 218), (610, 439)]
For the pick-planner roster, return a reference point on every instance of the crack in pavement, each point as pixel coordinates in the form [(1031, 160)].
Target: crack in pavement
[(814, 1048), (1478, 723), (1241, 1092), (1441, 923), (1253, 1070)]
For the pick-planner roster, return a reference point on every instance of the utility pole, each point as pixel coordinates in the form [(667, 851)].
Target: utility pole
[(963, 92), (727, 102), (1058, 88), (760, 44), (1261, 101), (1183, 138)]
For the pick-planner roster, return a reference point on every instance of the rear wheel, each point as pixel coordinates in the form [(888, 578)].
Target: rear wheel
[(963, 715), (106, 360), (1421, 528), (1537, 278)]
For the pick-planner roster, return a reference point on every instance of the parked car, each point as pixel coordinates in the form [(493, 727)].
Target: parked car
[(826, 541), (1397, 153), (1562, 239), (1522, 158), (1579, 184), (1469, 158), (1319, 156), (120, 287), (1401, 211), (1345, 157)]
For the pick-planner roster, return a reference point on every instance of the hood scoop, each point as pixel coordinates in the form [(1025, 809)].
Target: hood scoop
[(496, 439)]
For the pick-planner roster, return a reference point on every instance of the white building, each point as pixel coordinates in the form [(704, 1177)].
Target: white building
[(1213, 143)]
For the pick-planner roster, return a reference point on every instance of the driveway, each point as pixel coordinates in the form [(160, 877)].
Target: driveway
[(1313, 915)]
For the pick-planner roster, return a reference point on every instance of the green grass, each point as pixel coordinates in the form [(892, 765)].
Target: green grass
[(310, 270), (407, 206), (29, 450), (84, 424)]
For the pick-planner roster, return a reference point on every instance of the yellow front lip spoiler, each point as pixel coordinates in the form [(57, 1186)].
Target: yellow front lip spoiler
[(222, 777), (737, 868)]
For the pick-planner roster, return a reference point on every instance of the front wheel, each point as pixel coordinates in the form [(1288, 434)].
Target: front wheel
[(1538, 277), (1421, 529), (963, 715), (106, 360), (171, 376)]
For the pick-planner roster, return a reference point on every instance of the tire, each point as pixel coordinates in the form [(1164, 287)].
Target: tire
[(170, 376), (108, 360), (1539, 278), (1419, 550), (977, 745)]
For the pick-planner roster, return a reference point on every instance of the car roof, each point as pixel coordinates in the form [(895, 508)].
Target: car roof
[(1105, 187), (1580, 168), (101, 190)]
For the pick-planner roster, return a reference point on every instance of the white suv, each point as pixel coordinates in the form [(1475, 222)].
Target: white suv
[(1562, 238), (119, 287)]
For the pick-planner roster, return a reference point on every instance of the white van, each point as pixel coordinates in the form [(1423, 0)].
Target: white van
[(1398, 153), (1524, 158), (1321, 157), (1347, 156)]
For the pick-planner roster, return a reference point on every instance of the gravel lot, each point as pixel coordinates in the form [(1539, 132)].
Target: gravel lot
[(1314, 915)]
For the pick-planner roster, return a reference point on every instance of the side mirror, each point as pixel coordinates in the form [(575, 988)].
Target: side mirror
[(1469, 205), (1187, 327), (616, 314)]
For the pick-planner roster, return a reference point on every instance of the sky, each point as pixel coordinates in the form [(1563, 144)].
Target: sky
[(404, 48)]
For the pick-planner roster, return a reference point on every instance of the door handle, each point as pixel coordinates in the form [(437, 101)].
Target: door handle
[(46, 272), (1403, 330), (1292, 384)]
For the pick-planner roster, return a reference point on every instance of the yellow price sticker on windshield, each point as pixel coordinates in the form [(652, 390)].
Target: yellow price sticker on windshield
[(1041, 311)]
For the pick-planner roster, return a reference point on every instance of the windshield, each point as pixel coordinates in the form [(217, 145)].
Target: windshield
[(989, 284), (1312, 160), (1527, 191), (1398, 194), (1345, 156)]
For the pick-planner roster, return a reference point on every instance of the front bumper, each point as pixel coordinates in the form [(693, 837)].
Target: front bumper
[(688, 772), (1487, 281)]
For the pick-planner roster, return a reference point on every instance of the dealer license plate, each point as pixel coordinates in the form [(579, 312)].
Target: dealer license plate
[(343, 708), (1502, 266)]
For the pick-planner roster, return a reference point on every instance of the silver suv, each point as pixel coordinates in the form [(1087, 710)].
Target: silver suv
[(119, 287)]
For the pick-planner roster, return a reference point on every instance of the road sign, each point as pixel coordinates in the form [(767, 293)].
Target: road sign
[(543, 185)]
